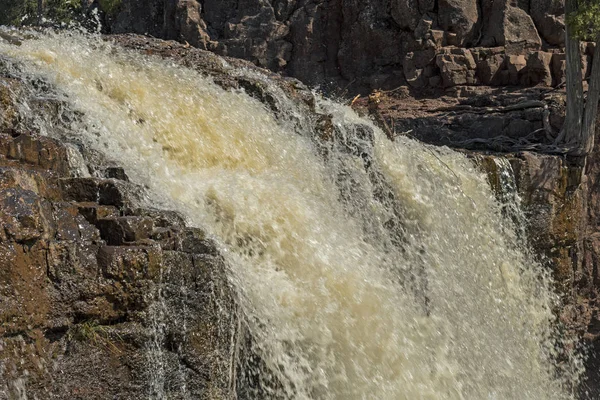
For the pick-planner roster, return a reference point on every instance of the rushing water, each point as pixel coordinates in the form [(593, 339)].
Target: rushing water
[(365, 268)]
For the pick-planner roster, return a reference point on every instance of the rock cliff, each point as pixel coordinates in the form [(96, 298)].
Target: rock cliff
[(356, 45), (374, 44)]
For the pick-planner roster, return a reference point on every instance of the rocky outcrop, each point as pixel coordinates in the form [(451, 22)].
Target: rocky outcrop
[(549, 18), (368, 45), (506, 22), (90, 284), (349, 44), (461, 17)]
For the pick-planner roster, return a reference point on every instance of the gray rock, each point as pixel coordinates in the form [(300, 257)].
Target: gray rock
[(506, 23), (549, 18), (461, 17)]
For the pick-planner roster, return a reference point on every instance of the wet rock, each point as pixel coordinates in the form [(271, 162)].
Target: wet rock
[(38, 151), (129, 263), (71, 225), (103, 191), (124, 230), (161, 218), (554, 207), (9, 88), (94, 212), (116, 173), (193, 240), (82, 281), (25, 216)]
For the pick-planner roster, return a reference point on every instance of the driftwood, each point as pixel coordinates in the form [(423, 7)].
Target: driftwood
[(486, 110), (505, 143)]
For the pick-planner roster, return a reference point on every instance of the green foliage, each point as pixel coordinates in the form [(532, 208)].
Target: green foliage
[(585, 22), (25, 12), (17, 12), (62, 11), (110, 7), (95, 334)]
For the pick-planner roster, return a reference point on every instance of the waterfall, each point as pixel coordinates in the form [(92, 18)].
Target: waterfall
[(364, 268)]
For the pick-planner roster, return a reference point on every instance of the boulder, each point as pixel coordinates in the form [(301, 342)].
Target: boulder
[(189, 24), (549, 18), (490, 63), (461, 17), (413, 75), (122, 230), (506, 23), (37, 151), (457, 67), (423, 28), (25, 216), (406, 13)]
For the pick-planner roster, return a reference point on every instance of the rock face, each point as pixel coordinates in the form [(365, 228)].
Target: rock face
[(345, 44), (549, 19), (101, 298), (506, 22), (461, 17), (89, 286), (361, 45)]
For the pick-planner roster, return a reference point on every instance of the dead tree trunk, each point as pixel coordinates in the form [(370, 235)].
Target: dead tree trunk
[(590, 113), (574, 117), (580, 122)]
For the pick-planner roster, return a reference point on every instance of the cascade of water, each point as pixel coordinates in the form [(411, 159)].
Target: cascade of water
[(508, 194), (154, 352), (384, 270)]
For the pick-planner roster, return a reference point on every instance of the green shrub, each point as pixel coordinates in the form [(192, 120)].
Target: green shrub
[(110, 7), (585, 22)]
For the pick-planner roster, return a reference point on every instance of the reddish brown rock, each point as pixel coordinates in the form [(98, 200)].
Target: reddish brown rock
[(515, 64), (490, 63), (538, 69), (549, 18), (70, 304), (505, 22), (457, 67)]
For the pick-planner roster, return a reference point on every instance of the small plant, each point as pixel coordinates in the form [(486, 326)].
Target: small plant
[(98, 335)]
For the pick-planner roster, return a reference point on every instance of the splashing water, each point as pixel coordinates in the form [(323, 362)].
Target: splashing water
[(379, 274)]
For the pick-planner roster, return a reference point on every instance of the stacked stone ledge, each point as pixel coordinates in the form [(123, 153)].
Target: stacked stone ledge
[(84, 275)]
